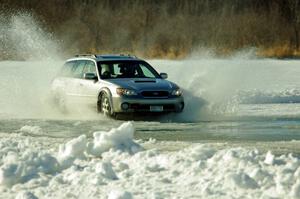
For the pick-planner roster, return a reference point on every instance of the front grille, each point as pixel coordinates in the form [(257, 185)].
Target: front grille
[(155, 94)]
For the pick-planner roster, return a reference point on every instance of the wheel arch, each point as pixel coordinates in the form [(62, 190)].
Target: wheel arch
[(106, 91)]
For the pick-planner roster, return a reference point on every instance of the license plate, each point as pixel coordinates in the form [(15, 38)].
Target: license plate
[(156, 108)]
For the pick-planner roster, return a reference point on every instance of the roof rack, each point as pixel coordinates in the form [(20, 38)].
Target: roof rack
[(86, 55), (128, 55)]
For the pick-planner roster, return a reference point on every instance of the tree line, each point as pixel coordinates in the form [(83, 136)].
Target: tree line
[(168, 28)]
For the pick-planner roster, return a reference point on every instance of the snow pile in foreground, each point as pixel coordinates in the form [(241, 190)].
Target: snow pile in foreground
[(21, 163), (31, 129), (114, 166), (120, 138)]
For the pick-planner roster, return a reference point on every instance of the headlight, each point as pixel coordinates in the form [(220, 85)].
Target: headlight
[(127, 92), (177, 92)]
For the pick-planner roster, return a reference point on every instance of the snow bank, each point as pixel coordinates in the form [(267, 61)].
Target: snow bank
[(72, 150), (120, 139), (20, 163), (269, 97), (26, 195), (112, 165), (31, 130), (118, 194)]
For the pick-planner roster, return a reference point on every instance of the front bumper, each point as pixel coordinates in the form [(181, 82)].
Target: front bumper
[(143, 105)]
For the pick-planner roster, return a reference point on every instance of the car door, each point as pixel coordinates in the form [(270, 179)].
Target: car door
[(74, 88), (61, 84), (90, 88)]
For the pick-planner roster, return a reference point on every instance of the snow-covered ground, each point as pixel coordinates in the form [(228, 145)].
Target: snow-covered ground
[(113, 165), (237, 138)]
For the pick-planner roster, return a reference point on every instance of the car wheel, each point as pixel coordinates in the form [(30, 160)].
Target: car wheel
[(104, 106), (60, 103), (180, 108)]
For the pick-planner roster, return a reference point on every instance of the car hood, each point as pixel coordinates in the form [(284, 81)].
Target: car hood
[(143, 84)]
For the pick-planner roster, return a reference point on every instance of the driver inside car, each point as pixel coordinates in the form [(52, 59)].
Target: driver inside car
[(126, 71), (105, 72)]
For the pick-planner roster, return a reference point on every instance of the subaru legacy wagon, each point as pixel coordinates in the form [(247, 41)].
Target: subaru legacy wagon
[(115, 84)]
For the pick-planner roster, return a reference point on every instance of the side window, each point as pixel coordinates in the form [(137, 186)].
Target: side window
[(89, 67), (77, 71), (66, 70)]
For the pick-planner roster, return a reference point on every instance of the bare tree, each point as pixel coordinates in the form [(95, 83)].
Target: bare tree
[(294, 7)]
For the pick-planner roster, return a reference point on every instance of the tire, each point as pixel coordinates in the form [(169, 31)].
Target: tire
[(60, 102), (180, 109), (104, 105)]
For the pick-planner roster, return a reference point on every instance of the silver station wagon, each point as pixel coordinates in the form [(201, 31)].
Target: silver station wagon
[(115, 84)]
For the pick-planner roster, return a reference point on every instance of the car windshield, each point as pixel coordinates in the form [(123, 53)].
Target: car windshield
[(126, 69)]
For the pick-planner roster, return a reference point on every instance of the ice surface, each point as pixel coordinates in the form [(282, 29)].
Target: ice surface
[(211, 86), (118, 167)]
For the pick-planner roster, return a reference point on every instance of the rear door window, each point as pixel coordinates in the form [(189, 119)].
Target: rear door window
[(90, 67), (67, 68), (77, 70)]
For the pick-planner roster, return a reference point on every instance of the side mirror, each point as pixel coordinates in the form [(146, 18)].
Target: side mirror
[(90, 76), (163, 75)]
